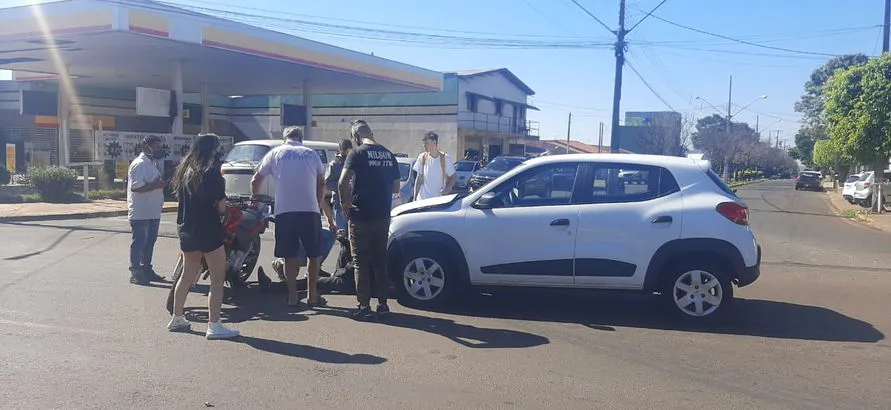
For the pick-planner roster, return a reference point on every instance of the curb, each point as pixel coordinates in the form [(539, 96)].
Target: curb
[(839, 211), (80, 215)]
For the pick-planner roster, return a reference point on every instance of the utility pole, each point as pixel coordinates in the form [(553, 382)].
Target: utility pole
[(568, 129), (887, 28), (757, 126), (600, 142), (617, 91), (726, 173)]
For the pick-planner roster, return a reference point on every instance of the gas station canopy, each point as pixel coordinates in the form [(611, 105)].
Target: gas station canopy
[(128, 44)]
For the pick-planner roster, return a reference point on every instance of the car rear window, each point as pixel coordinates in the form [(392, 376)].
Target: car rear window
[(853, 178), (717, 180), (247, 153)]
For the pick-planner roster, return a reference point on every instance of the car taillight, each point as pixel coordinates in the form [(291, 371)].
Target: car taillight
[(797, 178), (735, 212), (867, 184)]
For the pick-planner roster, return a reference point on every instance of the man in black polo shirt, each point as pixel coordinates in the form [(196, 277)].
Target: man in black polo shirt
[(366, 201)]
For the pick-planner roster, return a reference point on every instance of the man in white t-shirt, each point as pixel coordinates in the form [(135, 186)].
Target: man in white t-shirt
[(145, 201), (435, 169), (299, 197)]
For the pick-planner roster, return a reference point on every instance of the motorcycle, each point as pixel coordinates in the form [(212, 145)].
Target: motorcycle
[(244, 220)]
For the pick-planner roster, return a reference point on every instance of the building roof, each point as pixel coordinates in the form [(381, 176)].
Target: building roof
[(574, 146), (503, 71), (133, 43)]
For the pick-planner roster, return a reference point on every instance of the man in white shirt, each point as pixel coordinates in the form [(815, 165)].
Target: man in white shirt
[(299, 197), (145, 201), (435, 169)]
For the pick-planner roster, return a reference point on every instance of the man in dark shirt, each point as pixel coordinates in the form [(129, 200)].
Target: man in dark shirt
[(369, 179), (332, 177)]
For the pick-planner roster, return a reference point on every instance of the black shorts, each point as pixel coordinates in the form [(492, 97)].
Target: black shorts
[(205, 242), (294, 228)]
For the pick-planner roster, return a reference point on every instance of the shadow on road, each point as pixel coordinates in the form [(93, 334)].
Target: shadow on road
[(465, 335), (308, 352), (47, 249), (750, 317)]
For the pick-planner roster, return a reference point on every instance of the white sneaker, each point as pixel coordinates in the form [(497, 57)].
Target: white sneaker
[(179, 323), (218, 331)]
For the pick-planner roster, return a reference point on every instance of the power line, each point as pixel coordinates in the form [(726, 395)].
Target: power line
[(544, 16), (742, 41), (647, 15), (592, 16), (633, 69)]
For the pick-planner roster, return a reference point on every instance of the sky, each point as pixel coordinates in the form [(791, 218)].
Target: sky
[(678, 64)]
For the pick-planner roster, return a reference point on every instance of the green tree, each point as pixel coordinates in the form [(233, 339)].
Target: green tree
[(858, 112), (813, 103)]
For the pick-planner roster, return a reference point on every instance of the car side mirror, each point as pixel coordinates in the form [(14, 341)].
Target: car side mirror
[(489, 200)]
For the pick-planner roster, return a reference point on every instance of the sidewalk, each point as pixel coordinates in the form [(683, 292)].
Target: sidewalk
[(42, 211), (856, 213)]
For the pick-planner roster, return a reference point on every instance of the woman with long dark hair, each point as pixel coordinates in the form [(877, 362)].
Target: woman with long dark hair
[(200, 188)]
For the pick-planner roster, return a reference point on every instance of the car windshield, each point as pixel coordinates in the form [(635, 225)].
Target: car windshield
[(404, 171), (503, 164), (247, 153), (464, 166)]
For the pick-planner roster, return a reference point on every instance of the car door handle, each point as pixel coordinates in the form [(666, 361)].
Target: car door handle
[(560, 222), (664, 219)]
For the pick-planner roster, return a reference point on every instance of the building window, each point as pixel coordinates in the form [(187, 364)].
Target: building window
[(471, 103), (499, 107)]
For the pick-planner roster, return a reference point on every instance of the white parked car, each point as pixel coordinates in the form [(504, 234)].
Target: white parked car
[(863, 188), (571, 221), (849, 187), (463, 171), (407, 184), (244, 157)]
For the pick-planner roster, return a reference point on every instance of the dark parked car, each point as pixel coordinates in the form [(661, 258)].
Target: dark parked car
[(809, 180), (493, 170)]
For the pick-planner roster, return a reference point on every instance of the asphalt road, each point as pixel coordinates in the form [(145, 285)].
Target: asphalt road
[(811, 333)]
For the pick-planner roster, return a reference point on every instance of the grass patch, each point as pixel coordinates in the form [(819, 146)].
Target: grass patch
[(859, 216), (741, 183), (108, 194)]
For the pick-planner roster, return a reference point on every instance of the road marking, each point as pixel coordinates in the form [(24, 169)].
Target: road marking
[(49, 327)]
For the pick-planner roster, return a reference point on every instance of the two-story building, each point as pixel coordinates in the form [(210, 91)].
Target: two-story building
[(482, 111)]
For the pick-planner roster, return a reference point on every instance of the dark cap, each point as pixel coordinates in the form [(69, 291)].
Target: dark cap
[(431, 136), (151, 139), (361, 129)]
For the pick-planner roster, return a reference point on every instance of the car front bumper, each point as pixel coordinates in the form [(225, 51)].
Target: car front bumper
[(748, 275)]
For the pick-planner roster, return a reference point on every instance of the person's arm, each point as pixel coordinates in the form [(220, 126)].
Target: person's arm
[(263, 170), (452, 176), (215, 189), (397, 179), (344, 186), (138, 183), (419, 180)]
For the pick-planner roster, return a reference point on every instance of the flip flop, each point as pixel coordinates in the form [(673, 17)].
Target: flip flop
[(321, 302)]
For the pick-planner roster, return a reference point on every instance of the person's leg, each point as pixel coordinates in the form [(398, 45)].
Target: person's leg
[(292, 268), (216, 263), (361, 263), (287, 246), (139, 230), (191, 267), (149, 250), (311, 239), (378, 241)]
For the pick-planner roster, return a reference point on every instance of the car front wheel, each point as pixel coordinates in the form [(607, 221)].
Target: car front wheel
[(698, 292), (426, 280)]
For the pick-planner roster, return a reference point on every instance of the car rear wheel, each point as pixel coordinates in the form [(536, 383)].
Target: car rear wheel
[(698, 292), (427, 279)]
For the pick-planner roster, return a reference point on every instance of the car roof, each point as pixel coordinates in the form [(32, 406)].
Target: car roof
[(641, 159), (509, 157), (405, 160), (274, 143)]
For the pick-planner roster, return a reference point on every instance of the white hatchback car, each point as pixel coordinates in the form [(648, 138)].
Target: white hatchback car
[(242, 160), (850, 186), (571, 221)]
